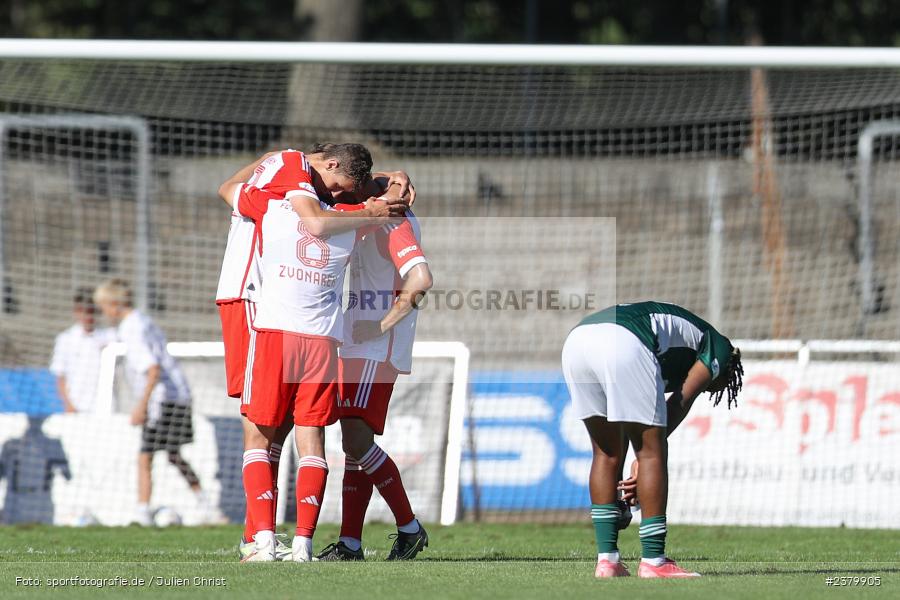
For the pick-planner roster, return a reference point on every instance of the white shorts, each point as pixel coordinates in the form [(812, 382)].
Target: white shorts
[(611, 374)]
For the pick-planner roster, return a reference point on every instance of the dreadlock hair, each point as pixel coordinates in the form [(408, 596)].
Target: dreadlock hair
[(735, 374), (355, 159)]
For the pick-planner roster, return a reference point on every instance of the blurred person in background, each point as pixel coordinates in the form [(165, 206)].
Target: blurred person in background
[(163, 398), (76, 355)]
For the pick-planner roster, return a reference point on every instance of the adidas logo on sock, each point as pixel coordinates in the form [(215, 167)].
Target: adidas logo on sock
[(311, 500), (266, 495)]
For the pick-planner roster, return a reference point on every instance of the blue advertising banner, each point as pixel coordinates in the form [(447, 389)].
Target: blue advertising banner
[(524, 449)]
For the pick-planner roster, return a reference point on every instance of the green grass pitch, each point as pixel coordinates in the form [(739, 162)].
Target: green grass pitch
[(463, 561)]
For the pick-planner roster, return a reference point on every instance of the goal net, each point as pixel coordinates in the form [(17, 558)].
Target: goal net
[(81, 469), (764, 199)]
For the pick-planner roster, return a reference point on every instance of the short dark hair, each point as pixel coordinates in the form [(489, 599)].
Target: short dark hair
[(84, 296), (355, 159)]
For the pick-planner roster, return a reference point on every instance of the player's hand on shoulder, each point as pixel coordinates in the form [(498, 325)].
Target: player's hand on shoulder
[(407, 189), (379, 208), (363, 331)]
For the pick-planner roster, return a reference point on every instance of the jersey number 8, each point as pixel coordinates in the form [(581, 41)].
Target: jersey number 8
[(314, 259)]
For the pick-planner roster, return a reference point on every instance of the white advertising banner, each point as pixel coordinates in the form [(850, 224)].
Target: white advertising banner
[(80, 469)]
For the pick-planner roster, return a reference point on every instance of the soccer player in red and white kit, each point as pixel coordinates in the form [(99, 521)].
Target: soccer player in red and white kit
[(389, 275), (306, 245), (240, 284)]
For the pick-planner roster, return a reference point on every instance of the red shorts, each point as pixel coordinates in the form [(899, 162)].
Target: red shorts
[(292, 373), (366, 388), (237, 319)]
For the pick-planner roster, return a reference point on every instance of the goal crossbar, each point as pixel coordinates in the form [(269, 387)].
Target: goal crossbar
[(454, 54)]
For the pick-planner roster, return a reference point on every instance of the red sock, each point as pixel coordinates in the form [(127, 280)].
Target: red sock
[(357, 492), (258, 488), (311, 477), (274, 460), (385, 476), (249, 530)]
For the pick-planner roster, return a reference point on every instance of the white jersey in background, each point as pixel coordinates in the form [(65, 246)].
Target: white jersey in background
[(76, 356), (377, 270), (145, 346)]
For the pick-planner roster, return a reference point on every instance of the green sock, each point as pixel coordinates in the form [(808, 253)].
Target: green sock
[(653, 537), (606, 530)]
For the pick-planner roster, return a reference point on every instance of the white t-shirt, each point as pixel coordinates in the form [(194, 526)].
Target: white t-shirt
[(377, 269), (76, 356), (145, 346)]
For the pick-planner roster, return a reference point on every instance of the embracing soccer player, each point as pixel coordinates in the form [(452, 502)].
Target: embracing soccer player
[(306, 246), (388, 276), (240, 285), (618, 364)]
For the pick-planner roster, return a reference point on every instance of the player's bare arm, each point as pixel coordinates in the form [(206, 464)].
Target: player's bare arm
[(318, 222), (385, 200), (139, 413), (415, 285), (678, 405), (63, 394), (321, 222), (228, 189)]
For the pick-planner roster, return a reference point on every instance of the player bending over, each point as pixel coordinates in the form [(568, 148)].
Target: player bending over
[(618, 364), (240, 284), (388, 276), (293, 367), (163, 398)]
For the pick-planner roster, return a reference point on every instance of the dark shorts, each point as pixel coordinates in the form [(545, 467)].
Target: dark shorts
[(173, 429)]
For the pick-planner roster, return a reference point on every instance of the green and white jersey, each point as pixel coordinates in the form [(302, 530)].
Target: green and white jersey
[(677, 337)]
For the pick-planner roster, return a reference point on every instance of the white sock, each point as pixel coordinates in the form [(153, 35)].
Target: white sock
[(143, 508), (264, 537), (352, 543), (306, 544), (612, 557), (411, 527), (654, 561)]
